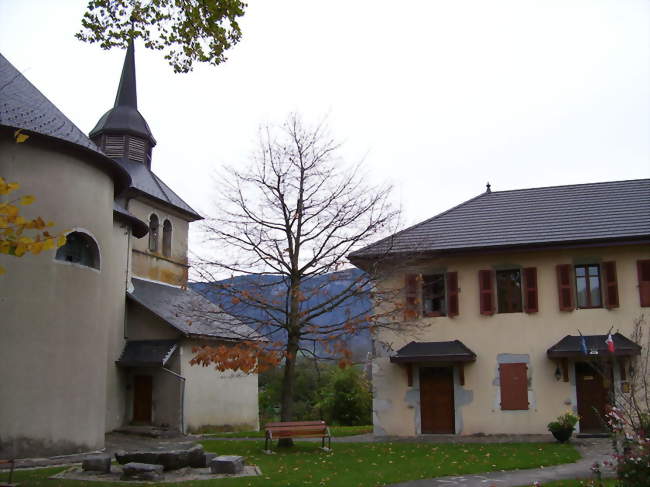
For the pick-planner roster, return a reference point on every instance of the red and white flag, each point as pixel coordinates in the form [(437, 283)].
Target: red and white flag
[(610, 343)]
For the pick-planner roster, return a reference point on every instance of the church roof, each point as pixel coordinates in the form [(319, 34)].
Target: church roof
[(124, 117), (189, 312), (143, 180), (23, 106)]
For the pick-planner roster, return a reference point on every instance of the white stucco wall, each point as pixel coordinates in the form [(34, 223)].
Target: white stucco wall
[(224, 399), (502, 337), (57, 316)]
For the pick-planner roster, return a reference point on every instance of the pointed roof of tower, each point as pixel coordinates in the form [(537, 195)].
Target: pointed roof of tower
[(124, 117)]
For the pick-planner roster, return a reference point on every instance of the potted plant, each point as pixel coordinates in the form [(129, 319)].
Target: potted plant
[(563, 426)]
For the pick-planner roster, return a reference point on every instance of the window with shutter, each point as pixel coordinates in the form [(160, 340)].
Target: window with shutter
[(411, 296), (514, 386), (486, 292), (611, 285), (530, 290), (509, 291), (643, 270), (564, 287), (452, 294), (588, 293), (433, 295)]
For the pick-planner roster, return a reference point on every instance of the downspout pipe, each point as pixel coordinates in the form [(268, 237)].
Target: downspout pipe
[(182, 415)]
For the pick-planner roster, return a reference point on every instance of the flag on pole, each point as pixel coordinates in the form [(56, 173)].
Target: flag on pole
[(583, 344), (610, 343)]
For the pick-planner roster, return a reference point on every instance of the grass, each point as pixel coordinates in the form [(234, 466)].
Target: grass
[(356, 464), (336, 431)]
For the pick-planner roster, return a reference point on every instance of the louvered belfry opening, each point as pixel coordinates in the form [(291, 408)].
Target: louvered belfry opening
[(125, 146)]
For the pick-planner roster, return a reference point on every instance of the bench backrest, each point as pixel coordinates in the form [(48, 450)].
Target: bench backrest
[(296, 428)]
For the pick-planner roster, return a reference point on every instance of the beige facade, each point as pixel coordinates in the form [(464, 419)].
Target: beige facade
[(501, 338)]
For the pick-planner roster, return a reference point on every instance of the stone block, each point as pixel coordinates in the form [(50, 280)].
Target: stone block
[(227, 464), (207, 458), (173, 460), (124, 457), (97, 463), (142, 471), (196, 457)]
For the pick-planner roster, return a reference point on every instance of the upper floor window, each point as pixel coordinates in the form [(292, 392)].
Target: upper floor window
[(509, 291), (80, 248), (167, 238), (588, 286), (431, 295), (153, 233)]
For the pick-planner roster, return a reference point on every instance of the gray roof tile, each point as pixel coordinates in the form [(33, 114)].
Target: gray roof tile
[(188, 312), (556, 214)]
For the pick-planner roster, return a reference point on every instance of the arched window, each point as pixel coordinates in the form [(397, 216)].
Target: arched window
[(167, 238), (153, 233), (80, 248)]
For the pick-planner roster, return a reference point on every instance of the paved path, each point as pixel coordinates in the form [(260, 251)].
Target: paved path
[(592, 450)]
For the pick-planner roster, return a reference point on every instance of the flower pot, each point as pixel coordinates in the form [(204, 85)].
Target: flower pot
[(562, 435)]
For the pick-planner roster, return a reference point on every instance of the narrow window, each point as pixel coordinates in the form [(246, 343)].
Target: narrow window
[(79, 248), (153, 233), (167, 238), (433, 295), (514, 386), (509, 291), (588, 286)]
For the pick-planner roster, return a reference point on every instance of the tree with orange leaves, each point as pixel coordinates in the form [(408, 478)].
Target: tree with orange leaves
[(285, 226)]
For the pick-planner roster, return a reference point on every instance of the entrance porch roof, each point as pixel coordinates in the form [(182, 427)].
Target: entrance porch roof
[(147, 353), (454, 351), (569, 347)]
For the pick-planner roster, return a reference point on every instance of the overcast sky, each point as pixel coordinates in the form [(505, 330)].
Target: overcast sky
[(438, 97)]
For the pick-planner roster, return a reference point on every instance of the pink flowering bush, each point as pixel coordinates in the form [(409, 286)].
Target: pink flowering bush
[(631, 443)]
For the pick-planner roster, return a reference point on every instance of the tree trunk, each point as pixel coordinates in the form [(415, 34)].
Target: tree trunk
[(286, 405)]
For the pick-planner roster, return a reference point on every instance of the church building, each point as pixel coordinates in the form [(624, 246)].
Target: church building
[(98, 334)]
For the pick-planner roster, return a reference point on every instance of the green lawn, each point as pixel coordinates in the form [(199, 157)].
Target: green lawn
[(357, 464), (336, 431)]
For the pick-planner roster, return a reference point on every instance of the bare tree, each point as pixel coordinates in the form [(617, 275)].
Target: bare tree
[(285, 226)]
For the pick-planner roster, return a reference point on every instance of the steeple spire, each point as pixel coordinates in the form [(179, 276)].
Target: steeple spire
[(122, 133), (127, 94)]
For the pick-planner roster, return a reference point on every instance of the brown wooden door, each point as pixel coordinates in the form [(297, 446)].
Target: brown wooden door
[(592, 391), (142, 393), (437, 400)]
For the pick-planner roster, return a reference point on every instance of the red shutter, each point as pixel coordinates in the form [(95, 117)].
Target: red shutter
[(643, 269), (514, 386), (486, 292), (452, 294), (564, 287), (530, 290), (411, 292), (611, 285)]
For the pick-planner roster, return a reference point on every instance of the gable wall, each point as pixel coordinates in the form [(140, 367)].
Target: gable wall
[(500, 338), (153, 265)]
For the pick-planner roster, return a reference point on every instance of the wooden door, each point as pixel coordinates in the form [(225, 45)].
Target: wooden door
[(437, 400), (592, 391), (142, 398)]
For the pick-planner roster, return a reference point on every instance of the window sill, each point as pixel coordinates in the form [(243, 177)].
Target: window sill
[(433, 315)]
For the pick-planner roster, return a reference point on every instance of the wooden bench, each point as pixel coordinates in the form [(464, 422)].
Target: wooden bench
[(297, 429), (12, 464)]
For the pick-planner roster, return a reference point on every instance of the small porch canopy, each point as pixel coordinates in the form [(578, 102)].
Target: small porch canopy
[(570, 347), (434, 352), (147, 353)]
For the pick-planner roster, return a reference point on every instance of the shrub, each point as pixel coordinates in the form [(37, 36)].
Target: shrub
[(566, 421), (347, 399)]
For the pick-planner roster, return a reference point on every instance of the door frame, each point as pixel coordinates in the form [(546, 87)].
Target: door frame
[(135, 397), (418, 409)]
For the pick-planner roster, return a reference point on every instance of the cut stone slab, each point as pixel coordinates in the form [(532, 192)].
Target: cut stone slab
[(142, 471), (230, 464), (207, 458), (173, 460), (97, 463), (124, 457), (196, 457)]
